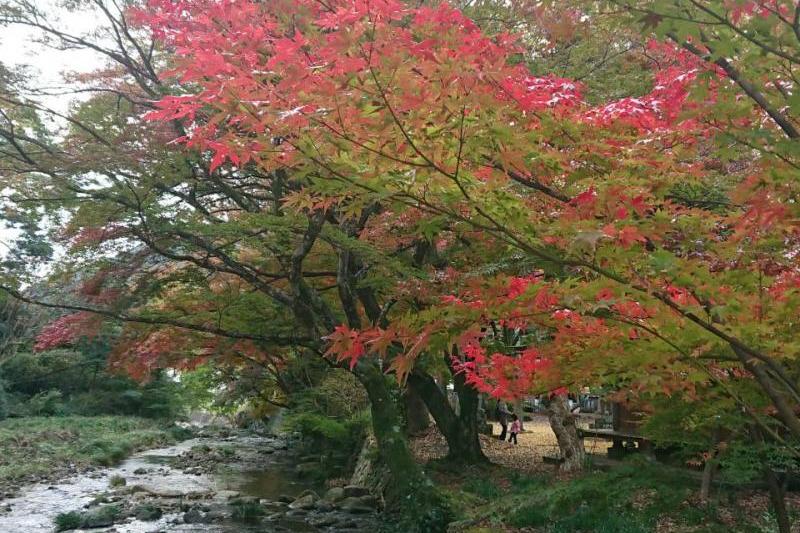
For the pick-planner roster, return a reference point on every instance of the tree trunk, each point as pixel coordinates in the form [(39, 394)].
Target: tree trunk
[(708, 476), (711, 466), (777, 494), (460, 431), (469, 402), (409, 492), (563, 424), (418, 419)]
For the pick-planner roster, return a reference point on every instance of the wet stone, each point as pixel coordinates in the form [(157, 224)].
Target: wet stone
[(335, 494), (304, 502), (193, 516), (354, 491), (324, 506), (357, 505), (148, 513)]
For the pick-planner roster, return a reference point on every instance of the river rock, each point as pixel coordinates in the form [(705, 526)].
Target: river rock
[(148, 513), (98, 519), (304, 502), (351, 491), (324, 506), (323, 521), (274, 506), (335, 494), (214, 516), (358, 505), (227, 494), (193, 516)]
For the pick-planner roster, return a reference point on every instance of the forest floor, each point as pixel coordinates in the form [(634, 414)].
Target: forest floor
[(535, 442), (38, 449), (519, 492)]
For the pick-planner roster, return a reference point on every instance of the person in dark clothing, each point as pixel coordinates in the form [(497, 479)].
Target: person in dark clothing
[(502, 417)]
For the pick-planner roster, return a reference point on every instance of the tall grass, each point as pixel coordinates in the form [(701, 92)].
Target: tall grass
[(44, 446)]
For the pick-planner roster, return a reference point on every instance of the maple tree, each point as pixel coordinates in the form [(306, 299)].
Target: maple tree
[(343, 88), (437, 118), (415, 188)]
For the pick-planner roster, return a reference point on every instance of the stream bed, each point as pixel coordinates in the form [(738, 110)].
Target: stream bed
[(237, 483)]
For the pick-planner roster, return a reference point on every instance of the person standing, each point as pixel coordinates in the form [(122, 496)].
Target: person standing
[(516, 427), (502, 417)]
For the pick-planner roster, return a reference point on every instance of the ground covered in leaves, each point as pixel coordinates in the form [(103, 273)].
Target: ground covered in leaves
[(519, 492), (535, 442)]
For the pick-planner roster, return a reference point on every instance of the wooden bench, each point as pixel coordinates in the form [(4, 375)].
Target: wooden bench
[(619, 439)]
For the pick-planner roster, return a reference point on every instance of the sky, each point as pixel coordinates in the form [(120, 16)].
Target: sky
[(19, 47)]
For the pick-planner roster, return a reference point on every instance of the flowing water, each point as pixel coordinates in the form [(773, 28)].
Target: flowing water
[(255, 475)]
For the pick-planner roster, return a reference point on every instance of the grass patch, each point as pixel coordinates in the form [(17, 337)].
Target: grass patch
[(632, 497), (100, 517), (246, 510), (67, 521), (45, 446)]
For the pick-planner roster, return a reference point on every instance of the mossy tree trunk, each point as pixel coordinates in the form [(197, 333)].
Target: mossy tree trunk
[(409, 492)]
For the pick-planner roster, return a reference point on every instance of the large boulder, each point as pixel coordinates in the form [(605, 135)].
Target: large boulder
[(305, 501), (358, 504), (335, 494)]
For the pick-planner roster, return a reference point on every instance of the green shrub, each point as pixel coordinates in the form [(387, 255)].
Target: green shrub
[(485, 488), (108, 451), (246, 510), (117, 481), (318, 427), (627, 499), (85, 387), (530, 515), (100, 517), (335, 442), (67, 521), (46, 403)]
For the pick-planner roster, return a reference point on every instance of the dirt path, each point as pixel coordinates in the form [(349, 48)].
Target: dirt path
[(536, 442)]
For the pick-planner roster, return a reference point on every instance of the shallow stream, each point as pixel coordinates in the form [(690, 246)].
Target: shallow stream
[(256, 468)]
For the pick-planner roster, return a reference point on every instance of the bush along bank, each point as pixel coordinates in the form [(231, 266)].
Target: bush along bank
[(39, 449)]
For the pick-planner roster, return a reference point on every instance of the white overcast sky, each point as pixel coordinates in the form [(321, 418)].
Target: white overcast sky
[(18, 47)]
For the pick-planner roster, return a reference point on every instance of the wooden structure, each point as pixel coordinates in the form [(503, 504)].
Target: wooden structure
[(624, 433)]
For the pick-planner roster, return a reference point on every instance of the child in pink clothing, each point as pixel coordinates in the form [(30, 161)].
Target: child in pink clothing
[(516, 427)]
